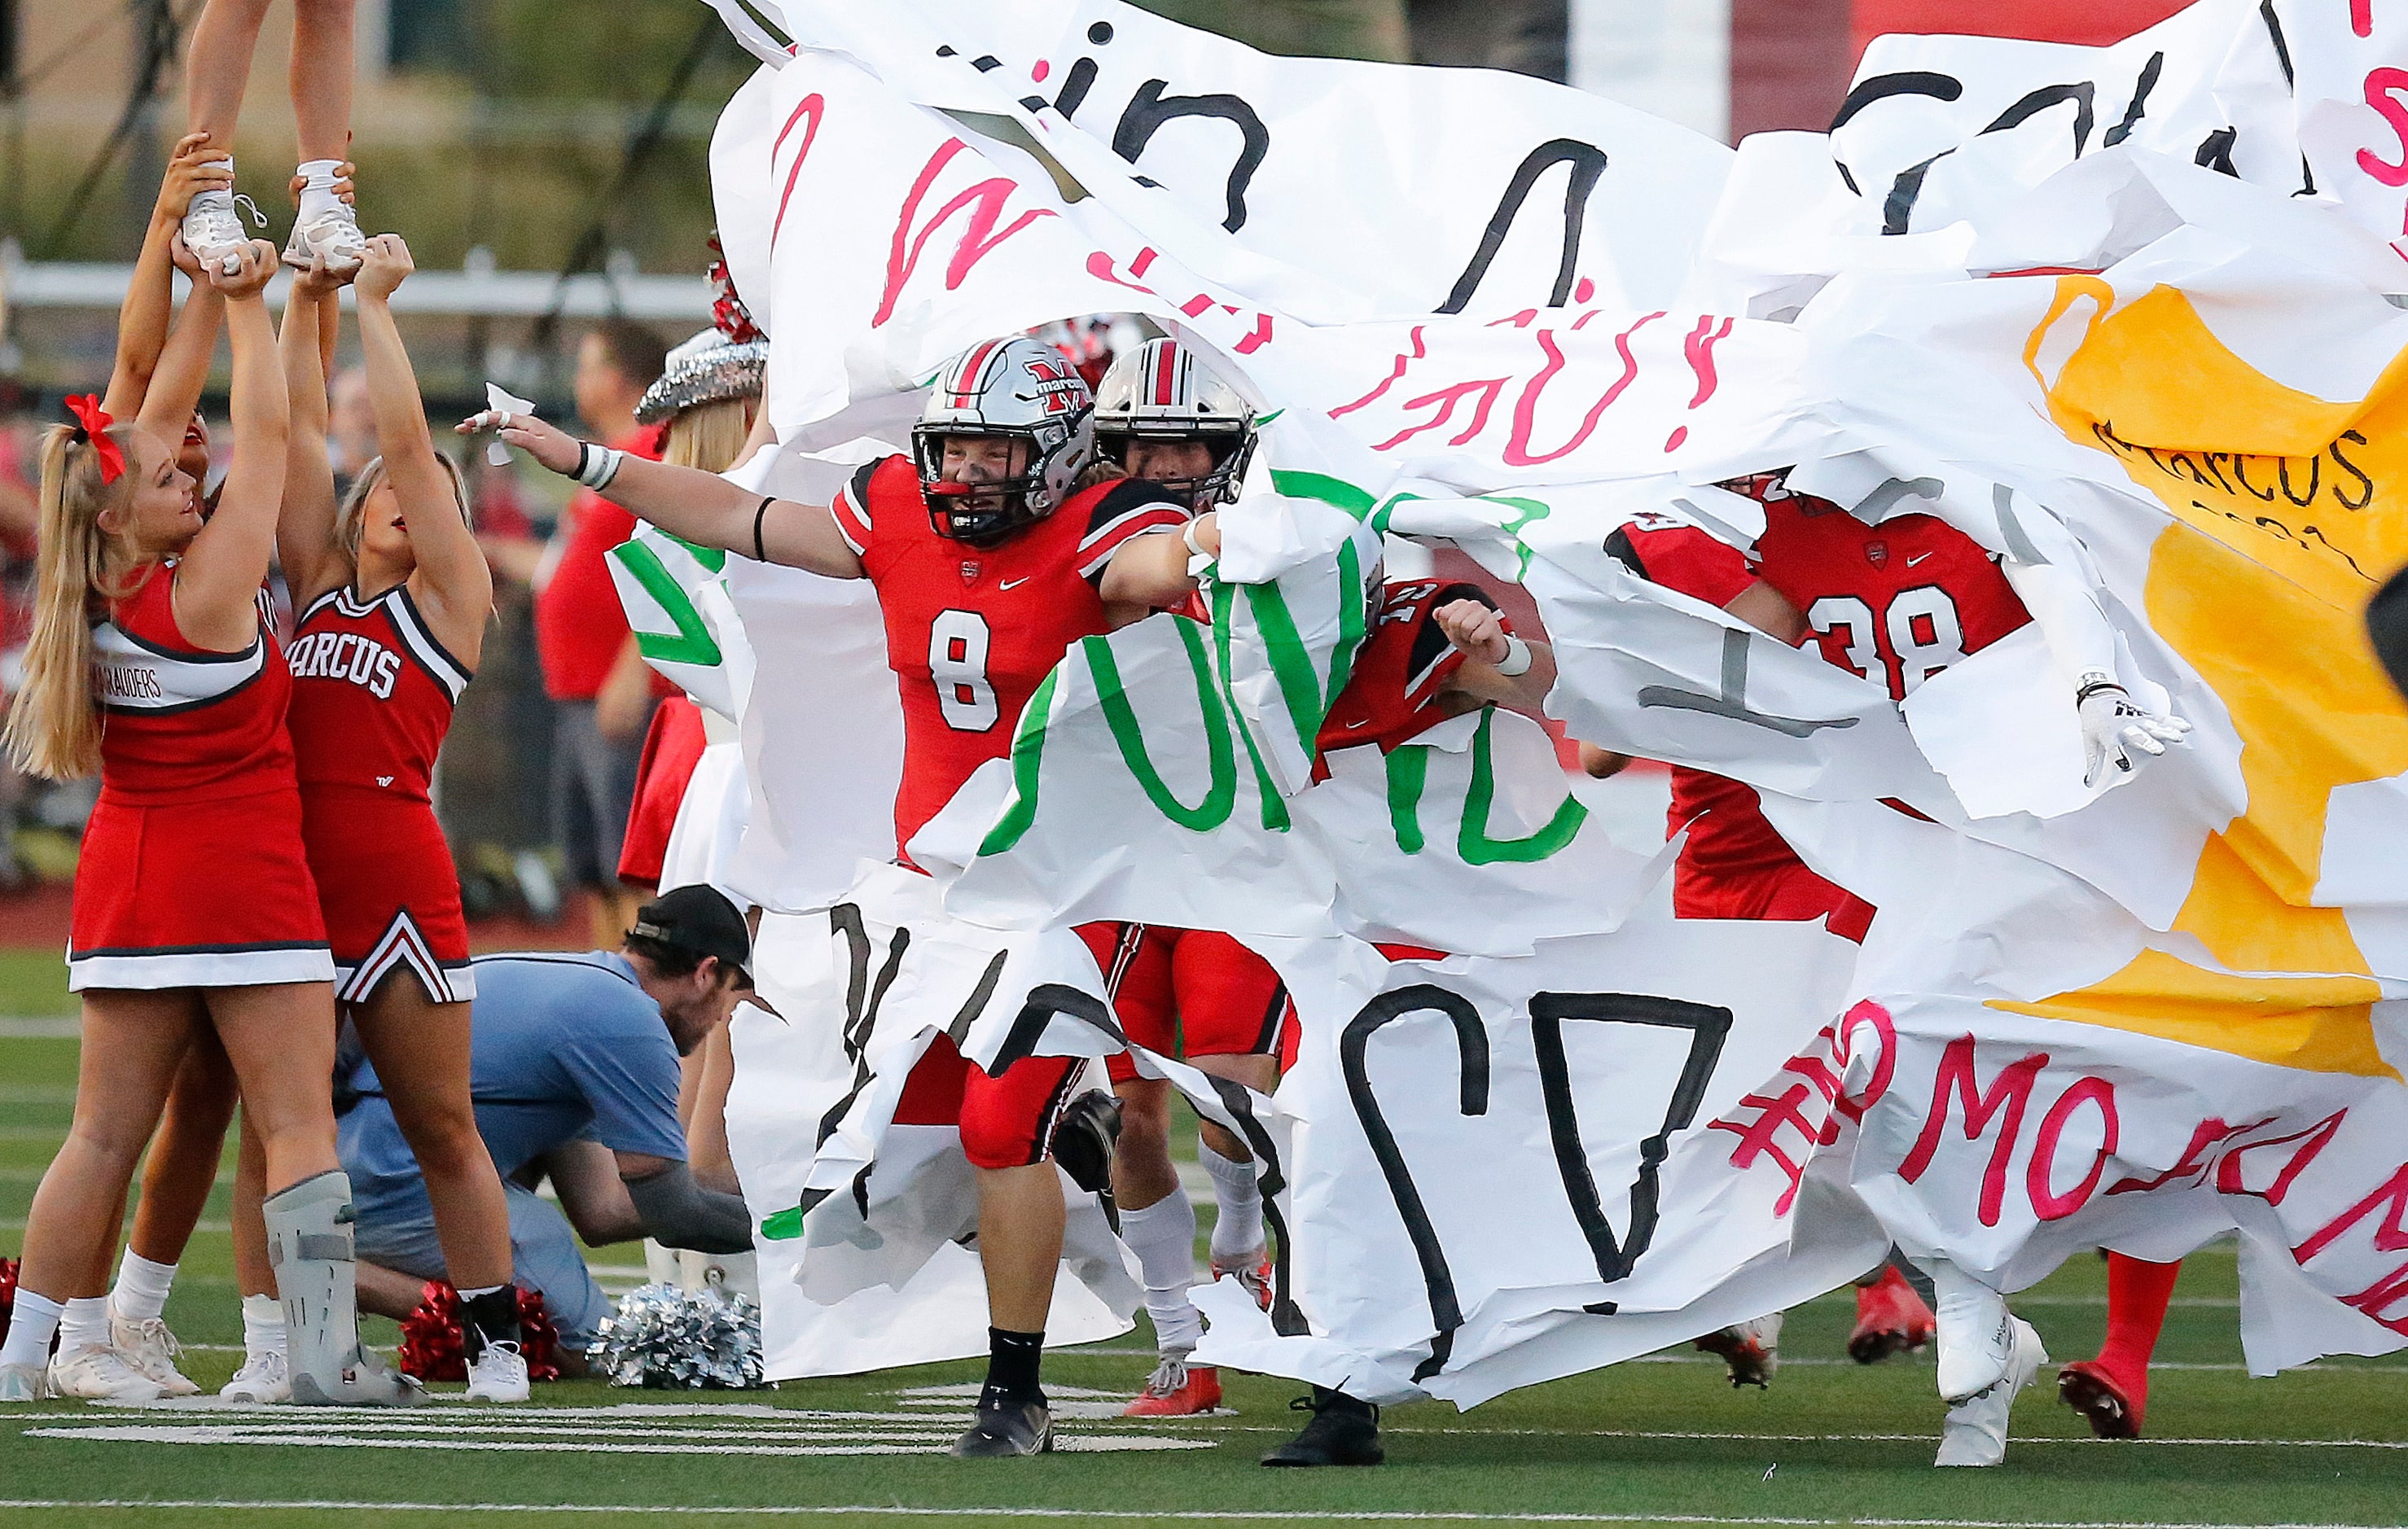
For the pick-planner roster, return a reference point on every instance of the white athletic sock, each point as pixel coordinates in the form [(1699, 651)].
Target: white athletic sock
[(142, 1287), (31, 1323), (1163, 1236), (218, 197), (263, 1326), (84, 1324), (318, 187), (1239, 1229)]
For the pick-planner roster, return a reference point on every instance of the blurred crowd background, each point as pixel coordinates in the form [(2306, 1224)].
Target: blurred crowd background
[(548, 159)]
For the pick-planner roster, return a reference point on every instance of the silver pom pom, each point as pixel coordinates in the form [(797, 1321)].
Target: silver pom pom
[(674, 1339)]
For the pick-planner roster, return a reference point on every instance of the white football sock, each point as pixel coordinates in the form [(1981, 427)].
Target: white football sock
[(318, 187), (1163, 1236), (263, 1326), (31, 1323), (1239, 1229), (84, 1324), (142, 1287)]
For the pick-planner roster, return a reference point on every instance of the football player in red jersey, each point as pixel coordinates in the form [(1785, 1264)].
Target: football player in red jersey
[(1164, 418), (1737, 865), (989, 562), (1897, 603)]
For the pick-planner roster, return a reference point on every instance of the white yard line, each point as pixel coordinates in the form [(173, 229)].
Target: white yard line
[(1134, 1515)]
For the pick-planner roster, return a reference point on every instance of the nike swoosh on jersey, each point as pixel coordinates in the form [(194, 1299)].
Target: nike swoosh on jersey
[(1014, 583), (1916, 558)]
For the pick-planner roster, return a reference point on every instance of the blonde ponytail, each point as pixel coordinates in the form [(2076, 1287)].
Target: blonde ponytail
[(710, 436), (53, 727)]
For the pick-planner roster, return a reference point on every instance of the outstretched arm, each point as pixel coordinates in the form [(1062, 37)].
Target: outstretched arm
[(304, 526), (2117, 732), (220, 575), (455, 585), (702, 508), (151, 296)]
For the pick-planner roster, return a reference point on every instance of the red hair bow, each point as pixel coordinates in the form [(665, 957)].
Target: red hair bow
[(91, 426)]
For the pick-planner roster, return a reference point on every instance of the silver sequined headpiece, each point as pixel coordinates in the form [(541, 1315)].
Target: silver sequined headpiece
[(705, 369)]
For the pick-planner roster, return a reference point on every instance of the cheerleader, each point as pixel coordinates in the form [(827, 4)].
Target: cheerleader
[(217, 70), (192, 898), (394, 596)]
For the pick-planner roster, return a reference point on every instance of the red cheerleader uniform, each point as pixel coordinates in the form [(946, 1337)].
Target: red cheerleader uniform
[(192, 873), (372, 697), (673, 747)]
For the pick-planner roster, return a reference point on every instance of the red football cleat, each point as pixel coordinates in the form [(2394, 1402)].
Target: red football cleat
[(1253, 1273), (2112, 1404), (1751, 1350), (1177, 1390), (1890, 1318)]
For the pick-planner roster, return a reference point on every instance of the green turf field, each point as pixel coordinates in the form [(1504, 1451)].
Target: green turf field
[(1662, 1442)]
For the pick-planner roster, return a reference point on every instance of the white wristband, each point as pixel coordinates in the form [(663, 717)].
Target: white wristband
[(1198, 559), (597, 465), (1516, 661)]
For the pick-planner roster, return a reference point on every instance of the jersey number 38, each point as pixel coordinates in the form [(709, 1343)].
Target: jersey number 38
[(1916, 636)]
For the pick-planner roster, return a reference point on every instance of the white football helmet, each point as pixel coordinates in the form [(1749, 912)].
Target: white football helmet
[(1163, 391), (1017, 389)]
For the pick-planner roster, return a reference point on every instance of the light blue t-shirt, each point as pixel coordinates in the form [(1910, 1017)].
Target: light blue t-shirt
[(563, 1046)]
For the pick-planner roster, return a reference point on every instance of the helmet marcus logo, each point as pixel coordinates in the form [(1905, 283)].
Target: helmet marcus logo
[(1060, 389), (1877, 552)]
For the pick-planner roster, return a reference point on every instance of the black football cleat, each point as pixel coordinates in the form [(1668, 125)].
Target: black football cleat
[(1002, 1431), (1343, 1432)]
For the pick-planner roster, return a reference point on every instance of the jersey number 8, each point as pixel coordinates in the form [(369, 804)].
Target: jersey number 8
[(958, 641), (1918, 635)]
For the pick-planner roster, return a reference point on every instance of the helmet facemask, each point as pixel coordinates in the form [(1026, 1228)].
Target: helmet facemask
[(1015, 390), (1231, 451)]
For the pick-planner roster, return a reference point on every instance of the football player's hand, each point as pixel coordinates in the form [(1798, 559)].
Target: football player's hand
[(2118, 733), (1476, 631), (549, 445)]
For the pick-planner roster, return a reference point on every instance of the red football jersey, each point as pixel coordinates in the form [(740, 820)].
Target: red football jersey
[(1403, 664), (971, 631), (372, 694), (1896, 602), (179, 723), (1736, 863)]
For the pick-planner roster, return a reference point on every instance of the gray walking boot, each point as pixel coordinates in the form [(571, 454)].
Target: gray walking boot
[(310, 1247)]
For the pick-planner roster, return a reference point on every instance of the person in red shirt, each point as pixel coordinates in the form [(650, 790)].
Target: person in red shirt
[(989, 562), (1896, 603), (1737, 865), (601, 689)]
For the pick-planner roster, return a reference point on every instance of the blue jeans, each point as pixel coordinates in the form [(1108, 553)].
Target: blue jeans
[(398, 1232)]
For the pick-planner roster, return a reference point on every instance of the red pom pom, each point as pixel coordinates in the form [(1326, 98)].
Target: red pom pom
[(727, 310), (434, 1348), (8, 1293)]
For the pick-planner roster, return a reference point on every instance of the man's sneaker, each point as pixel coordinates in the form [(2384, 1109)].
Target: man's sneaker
[(1177, 1390), (1976, 1431), (214, 232), (499, 1374), (1890, 1318), (333, 237), (23, 1384), (1750, 1348), (98, 1373), (1002, 1431), (151, 1348), (1254, 1272), (2112, 1405), (262, 1381), (1976, 1336), (1343, 1432)]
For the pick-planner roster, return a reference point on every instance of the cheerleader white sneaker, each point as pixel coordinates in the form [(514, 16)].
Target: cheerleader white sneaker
[(333, 237), (151, 1349), (1975, 1433), (23, 1384), (1975, 1332), (214, 231), (500, 1375), (98, 1373), (262, 1381)]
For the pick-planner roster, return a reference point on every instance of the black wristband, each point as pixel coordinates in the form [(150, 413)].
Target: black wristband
[(760, 553), (2093, 688)]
